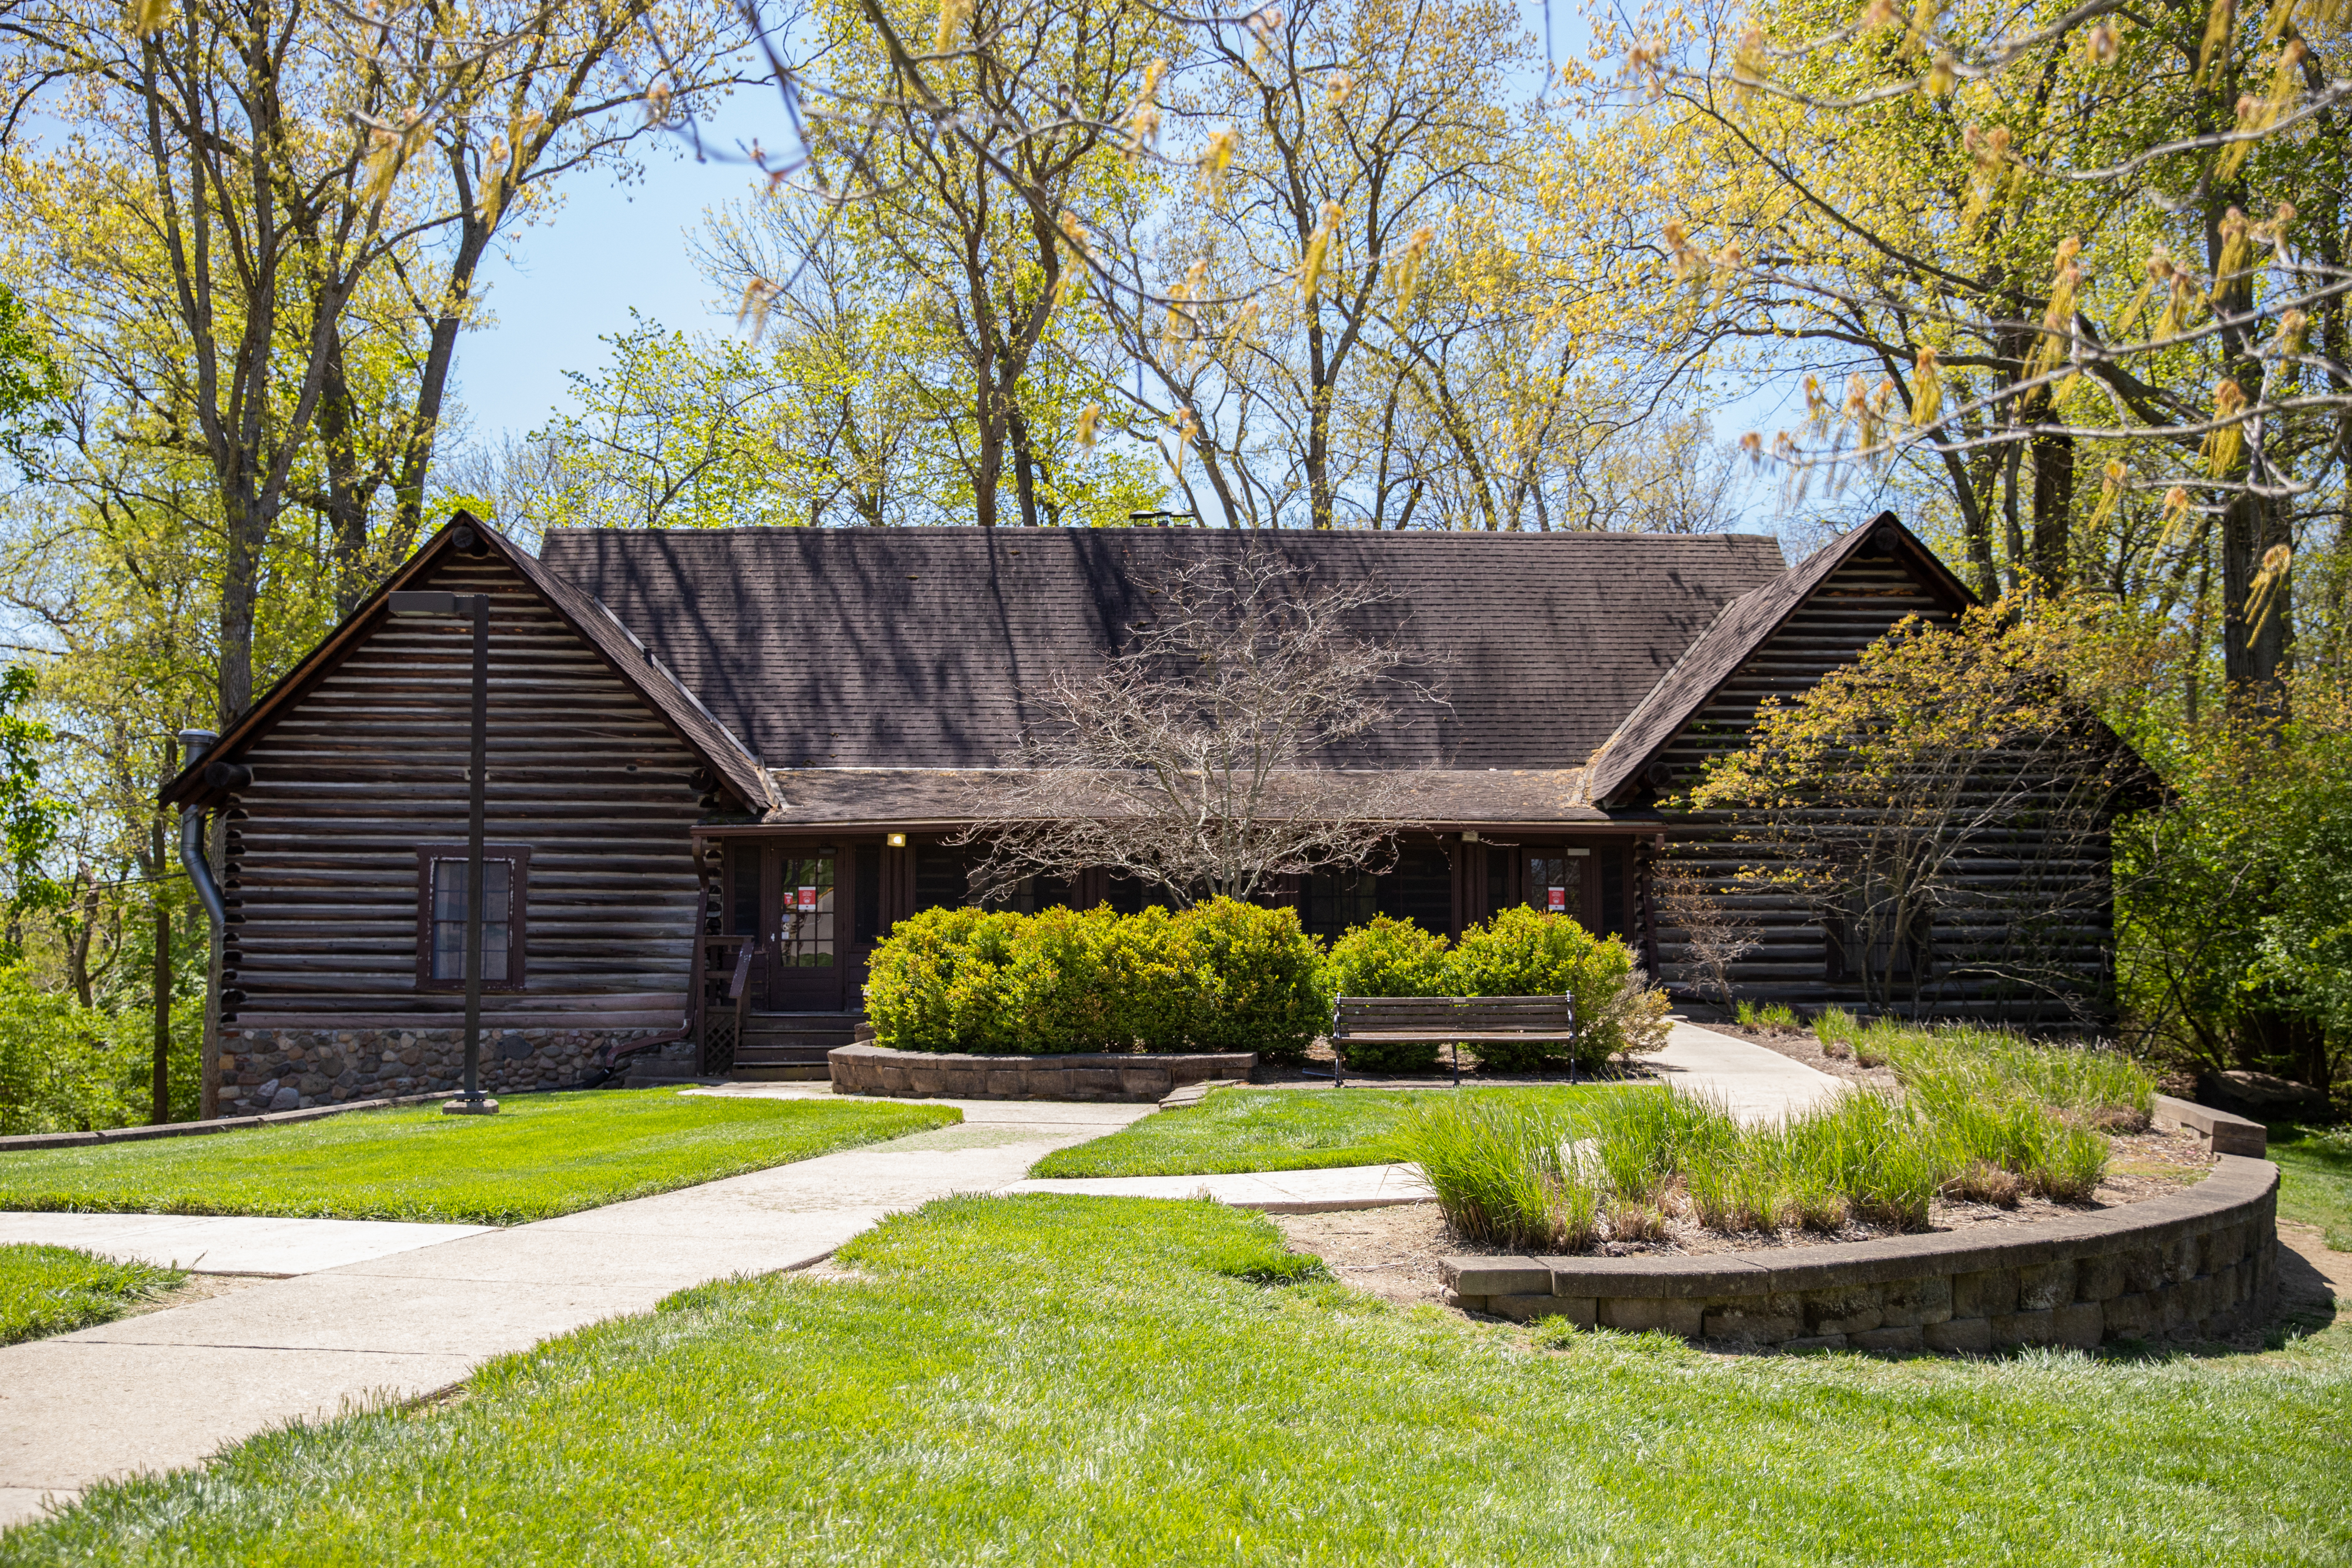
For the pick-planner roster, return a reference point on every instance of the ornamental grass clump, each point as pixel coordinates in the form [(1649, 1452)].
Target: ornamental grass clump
[(1506, 1173)]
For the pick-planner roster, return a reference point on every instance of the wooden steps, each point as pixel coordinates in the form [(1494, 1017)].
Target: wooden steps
[(779, 1045)]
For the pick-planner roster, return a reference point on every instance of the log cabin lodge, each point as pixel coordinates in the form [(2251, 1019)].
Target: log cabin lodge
[(704, 740)]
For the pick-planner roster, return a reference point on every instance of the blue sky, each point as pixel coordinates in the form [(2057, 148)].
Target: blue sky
[(615, 246), (612, 247)]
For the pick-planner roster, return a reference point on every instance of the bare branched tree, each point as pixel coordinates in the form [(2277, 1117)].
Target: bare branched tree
[(1715, 933), (1208, 757)]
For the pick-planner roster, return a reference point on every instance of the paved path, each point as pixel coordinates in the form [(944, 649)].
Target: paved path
[(167, 1389), (1276, 1192), (1753, 1084), (226, 1244)]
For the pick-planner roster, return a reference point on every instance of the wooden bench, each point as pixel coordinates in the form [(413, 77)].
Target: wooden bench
[(1452, 1023)]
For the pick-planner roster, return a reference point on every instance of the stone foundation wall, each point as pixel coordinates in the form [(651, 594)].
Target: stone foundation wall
[(294, 1069), (2197, 1264), (877, 1069)]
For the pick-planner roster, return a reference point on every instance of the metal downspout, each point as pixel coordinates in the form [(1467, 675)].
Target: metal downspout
[(192, 855), (191, 839), (200, 873)]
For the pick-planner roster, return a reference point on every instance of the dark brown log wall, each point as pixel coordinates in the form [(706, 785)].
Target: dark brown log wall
[(1973, 949), (372, 763)]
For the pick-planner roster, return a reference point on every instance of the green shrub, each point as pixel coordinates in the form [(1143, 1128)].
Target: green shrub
[(56, 1073), (1387, 958), (937, 983), (1145, 967), (1052, 986), (1224, 977), (1259, 977), (1529, 953)]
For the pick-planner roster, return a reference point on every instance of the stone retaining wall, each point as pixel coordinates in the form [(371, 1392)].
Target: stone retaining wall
[(2194, 1264), (290, 1070), (877, 1069)]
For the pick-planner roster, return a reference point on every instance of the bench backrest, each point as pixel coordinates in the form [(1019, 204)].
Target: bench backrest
[(1487, 1015)]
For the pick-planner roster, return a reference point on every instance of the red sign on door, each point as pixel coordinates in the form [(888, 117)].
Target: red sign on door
[(1558, 902), (808, 899)]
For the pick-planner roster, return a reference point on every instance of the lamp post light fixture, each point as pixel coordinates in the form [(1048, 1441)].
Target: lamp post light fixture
[(471, 1102)]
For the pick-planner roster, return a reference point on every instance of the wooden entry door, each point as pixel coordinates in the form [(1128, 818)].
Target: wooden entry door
[(808, 930)]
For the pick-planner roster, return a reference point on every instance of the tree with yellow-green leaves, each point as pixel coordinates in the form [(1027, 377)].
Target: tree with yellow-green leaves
[(2080, 268), (250, 189)]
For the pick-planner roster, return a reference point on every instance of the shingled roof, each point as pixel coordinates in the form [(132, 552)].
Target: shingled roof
[(911, 648), (1744, 627)]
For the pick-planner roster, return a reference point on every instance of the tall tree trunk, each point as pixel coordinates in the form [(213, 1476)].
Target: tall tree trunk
[(2254, 636), (433, 383), (2011, 457), (1319, 422), (240, 596), (78, 950), (1025, 476), (2053, 510), (346, 505), (1972, 483), (990, 470)]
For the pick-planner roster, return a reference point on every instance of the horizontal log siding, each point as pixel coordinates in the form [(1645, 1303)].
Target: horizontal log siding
[(1859, 604), (371, 764)]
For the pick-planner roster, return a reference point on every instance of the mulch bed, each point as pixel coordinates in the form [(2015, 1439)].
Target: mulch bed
[(1802, 1046)]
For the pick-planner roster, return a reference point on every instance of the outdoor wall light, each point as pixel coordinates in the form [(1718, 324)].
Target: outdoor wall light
[(897, 841)]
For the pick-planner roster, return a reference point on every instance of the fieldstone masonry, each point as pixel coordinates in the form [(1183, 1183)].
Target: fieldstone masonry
[(2195, 1264), (290, 1070)]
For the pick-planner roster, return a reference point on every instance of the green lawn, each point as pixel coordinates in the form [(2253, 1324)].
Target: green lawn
[(1272, 1130), (538, 1156), (54, 1290), (1067, 1380), (2316, 1181)]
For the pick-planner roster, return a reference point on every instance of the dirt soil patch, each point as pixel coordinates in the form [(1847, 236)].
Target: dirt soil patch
[(1393, 1252), (1803, 1046)]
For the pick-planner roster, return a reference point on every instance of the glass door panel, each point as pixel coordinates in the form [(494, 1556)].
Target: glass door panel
[(806, 938), (806, 932), (1553, 883)]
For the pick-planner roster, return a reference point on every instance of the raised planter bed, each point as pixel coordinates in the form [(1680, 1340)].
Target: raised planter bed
[(865, 1069), (2200, 1264)]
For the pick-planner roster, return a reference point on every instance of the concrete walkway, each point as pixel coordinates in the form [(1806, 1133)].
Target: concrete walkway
[(1754, 1084), (228, 1244), (1275, 1192), (168, 1389)]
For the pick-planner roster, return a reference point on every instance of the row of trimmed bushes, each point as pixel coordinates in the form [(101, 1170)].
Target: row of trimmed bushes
[(1519, 953), (1225, 977)]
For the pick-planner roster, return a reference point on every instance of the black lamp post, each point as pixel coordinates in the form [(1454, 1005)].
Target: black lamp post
[(472, 1102)]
